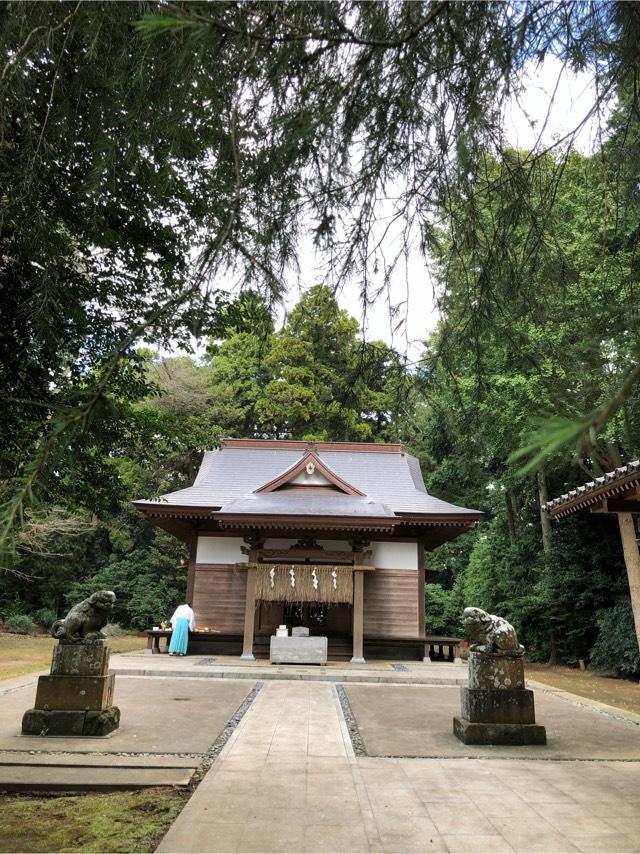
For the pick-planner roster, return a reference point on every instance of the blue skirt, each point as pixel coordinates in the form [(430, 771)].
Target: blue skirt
[(180, 637)]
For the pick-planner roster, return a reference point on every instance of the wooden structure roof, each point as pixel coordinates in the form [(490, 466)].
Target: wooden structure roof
[(617, 491), (331, 485)]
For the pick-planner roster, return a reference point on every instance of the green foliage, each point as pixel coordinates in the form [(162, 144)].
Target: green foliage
[(45, 617), (157, 445), (444, 610), (552, 342), (21, 624), (616, 648), (148, 583), (130, 133), (322, 382)]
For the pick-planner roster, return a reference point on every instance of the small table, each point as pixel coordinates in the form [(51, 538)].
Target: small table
[(153, 640)]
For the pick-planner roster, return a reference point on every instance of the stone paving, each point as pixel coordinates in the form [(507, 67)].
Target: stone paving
[(168, 725), (288, 780), (416, 721)]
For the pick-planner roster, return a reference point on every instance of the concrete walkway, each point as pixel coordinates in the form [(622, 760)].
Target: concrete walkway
[(288, 780)]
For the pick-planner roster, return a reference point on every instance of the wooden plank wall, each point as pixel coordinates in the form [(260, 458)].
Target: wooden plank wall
[(218, 597), (391, 603)]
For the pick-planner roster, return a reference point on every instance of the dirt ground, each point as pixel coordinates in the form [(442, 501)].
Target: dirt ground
[(614, 692), (115, 821), (20, 654)]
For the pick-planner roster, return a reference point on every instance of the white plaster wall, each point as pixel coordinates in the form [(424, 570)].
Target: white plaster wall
[(315, 479), (387, 555), (220, 550)]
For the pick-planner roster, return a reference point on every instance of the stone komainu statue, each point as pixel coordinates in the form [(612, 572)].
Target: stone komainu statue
[(84, 620), (489, 633)]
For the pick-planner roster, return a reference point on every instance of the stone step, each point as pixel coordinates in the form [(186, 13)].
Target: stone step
[(284, 672), (101, 760), (49, 778)]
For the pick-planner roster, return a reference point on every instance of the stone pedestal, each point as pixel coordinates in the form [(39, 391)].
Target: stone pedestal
[(298, 650), (77, 697), (496, 708)]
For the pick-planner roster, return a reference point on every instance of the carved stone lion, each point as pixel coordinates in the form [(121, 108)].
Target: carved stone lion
[(489, 633), (84, 620)]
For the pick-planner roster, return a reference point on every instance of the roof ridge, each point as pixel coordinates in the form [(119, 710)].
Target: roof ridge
[(311, 445)]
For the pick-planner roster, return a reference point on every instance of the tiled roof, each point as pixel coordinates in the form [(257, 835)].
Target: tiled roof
[(301, 504), (386, 475), (595, 490)]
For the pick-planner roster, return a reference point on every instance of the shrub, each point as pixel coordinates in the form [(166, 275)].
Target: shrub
[(113, 630), (148, 584), (444, 610), (21, 624), (616, 648), (45, 617)]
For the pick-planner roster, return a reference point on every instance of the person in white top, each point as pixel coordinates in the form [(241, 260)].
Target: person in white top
[(182, 621)]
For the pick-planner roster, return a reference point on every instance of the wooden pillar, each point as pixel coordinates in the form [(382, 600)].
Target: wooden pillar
[(358, 617), (421, 590), (422, 593), (249, 616), (191, 571), (632, 561)]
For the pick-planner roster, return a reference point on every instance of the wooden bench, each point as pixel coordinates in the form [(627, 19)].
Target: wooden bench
[(438, 648), (427, 648)]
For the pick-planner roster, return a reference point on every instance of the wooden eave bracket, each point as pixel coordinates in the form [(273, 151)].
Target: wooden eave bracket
[(627, 501), (614, 494), (310, 458)]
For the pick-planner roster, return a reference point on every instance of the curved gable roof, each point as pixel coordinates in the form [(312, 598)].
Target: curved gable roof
[(243, 470), (309, 459)]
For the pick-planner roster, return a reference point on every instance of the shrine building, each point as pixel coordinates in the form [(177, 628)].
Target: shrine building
[(326, 535)]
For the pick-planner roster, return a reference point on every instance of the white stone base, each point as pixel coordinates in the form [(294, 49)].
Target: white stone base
[(294, 650)]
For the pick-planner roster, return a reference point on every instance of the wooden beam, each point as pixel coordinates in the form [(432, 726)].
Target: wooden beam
[(191, 572), (249, 612), (623, 505), (617, 505), (358, 618), (628, 535), (327, 555), (421, 588)]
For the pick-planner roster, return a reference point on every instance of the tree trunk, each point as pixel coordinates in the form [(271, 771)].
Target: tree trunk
[(545, 524), (545, 521), (511, 517), (632, 561)]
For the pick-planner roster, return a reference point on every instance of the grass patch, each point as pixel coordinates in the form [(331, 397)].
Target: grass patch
[(131, 821), (20, 654)]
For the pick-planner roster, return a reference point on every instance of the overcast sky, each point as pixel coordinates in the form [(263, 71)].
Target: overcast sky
[(412, 291), (552, 104)]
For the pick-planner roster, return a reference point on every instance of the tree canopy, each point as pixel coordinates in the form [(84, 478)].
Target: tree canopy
[(153, 155)]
